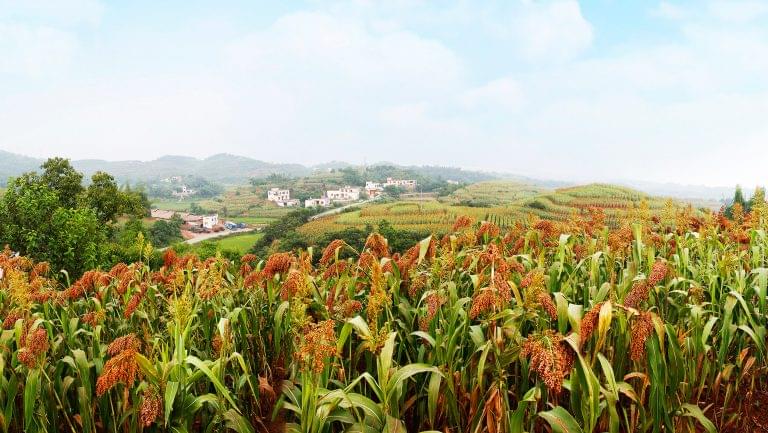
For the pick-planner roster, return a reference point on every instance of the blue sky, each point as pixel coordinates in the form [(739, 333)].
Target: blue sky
[(592, 90)]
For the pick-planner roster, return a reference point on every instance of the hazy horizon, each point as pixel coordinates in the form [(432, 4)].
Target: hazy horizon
[(565, 90)]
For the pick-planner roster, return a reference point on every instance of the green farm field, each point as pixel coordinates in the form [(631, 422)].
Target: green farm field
[(511, 202)]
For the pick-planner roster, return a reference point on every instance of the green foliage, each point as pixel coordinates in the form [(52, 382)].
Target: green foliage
[(51, 217), (33, 223), (393, 191), (103, 196), (65, 181), (553, 327), (166, 232)]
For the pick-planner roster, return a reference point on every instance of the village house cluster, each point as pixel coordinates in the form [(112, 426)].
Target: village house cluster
[(281, 197), (345, 194), (192, 222)]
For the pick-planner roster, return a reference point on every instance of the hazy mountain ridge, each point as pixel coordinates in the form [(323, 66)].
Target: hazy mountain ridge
[(235, 169)]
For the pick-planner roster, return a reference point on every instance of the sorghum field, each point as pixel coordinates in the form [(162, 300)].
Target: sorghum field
[(561, 326)]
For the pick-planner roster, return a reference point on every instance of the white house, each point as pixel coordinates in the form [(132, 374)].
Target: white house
[(278, 195), (185, 192), (346, 193), (404, 183), (373, 189), (210, 220), (317, 202)]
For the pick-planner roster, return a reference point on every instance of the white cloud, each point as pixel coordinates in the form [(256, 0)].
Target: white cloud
[(34, 50), (669, 11), (555, 31), (353, 83), (53, 12), (307, 48), (738, 11), (503, 92)]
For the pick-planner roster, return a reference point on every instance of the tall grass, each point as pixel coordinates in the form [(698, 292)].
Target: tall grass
[(545, 326)]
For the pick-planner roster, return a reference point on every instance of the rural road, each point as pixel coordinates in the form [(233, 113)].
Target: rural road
[(208, 236)]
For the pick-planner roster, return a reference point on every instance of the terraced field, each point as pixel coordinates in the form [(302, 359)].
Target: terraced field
[(616, 202), (438, 216), (494, 193)]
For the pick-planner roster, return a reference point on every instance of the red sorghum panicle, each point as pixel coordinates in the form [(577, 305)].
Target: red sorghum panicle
[(169, 258), (318, 344), (366, 260), (35, 344), (549, 358), (502, 287), (253, 280), (135, 300), (642, 327), (462, 222), (407, 260), (546, 302), (637, 294), (417, 284), (335, 270), (295, 285), (485, 301), (11, 318), (658, 272), (122, 366), (377, 245), (434, 302), (329, 253), (277, 263), (151, 406), (589, 322), (93, 318), (121, 344), (488, 228)]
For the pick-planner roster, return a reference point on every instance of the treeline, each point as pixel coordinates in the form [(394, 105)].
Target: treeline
[(202, 186), (739, 204), (56, 216)]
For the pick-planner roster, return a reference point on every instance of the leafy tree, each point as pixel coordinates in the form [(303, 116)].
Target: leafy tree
[(78, 237), (196, 208), (393, 191), (25, 211), (738, 198), (351, 176), (164, 233), (34, 223), (104, 197), (135, 202), (63, 179)]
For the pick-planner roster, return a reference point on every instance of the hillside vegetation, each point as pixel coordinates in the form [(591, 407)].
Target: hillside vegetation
[(512, 202), (494, 193)]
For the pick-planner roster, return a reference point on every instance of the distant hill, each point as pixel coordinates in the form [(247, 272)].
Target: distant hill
[(12, 164), (223, 168)]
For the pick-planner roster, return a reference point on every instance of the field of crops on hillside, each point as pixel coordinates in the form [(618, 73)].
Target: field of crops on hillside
[(559, 205), (544, 327), (421, 216), (494, 193), (616, 201)]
